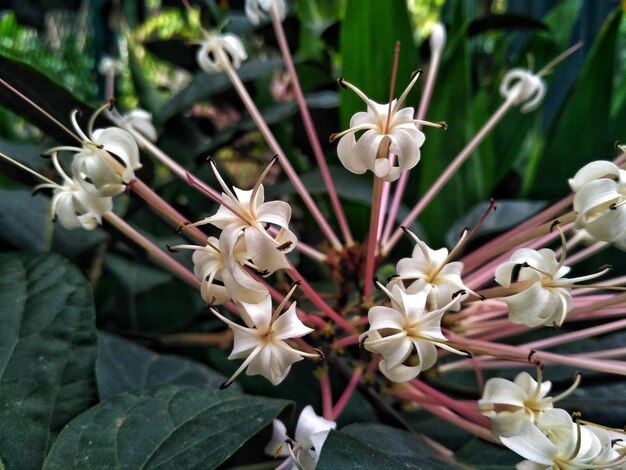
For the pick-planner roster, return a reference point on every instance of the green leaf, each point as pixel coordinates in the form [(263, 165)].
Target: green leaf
[(124, 366), (26, 224), (368, 36), (396, 450), (572, 140), (162, 427), (41, 89), (48, 348), (203, 85), (482, 455)]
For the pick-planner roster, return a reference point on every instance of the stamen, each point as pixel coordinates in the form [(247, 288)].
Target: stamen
[(94, 116), (414, 77), (280, 307), (577, 379), (359, 93), (220, 180), (255, 190), (28, 170), (77, 128)]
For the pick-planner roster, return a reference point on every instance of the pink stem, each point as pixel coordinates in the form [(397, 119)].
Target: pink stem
[(346, 341), (317, 300), (372, 240), (347, 393), (327, 395), (447, 174), (284, 161), (309, 126), (154, 251), (452, 404)]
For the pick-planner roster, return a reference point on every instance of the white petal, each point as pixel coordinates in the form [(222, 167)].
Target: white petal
[(121, 143), (288, 325), (257, 314), (531, 444), (279, 436), (592, 171), (406, 145), (310, 424)]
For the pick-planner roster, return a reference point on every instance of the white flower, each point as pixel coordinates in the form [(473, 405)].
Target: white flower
[(555, 442), (74, 207), (311, 432), (262, 341), (544, 296), (432, 272), (246, 214), (600, 200), (220, 261), (388, 129), (521, 86), (141, 121), (219, 51), (509, 404), (256, 10), (107, 160), (405, 331)]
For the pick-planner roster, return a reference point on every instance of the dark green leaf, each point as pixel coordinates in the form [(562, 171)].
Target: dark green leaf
[(508, 214), (25, 223), (341, 450), (162, 427), (48, 348), (124, 366), (482, 455)]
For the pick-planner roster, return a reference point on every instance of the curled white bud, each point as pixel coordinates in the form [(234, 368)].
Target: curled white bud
[(600, 201), (256, 10), (219, 51), (522, 86), (74, 207)]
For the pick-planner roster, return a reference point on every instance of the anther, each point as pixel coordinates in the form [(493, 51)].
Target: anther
[(224, 385), (182, 226), (416, 72), (612, 207), (554, 224), (333, 137), (285, 246), (342, 83), (459, 292), (171, 250), (467, 353), (531, 354), (320, 352), (605, 266), (442, 125)]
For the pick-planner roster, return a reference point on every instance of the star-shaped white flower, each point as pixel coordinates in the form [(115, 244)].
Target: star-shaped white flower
[(219, 261), (262, 342), (311, 433), (107, 160), (431, 271), (219, 51), (257, 10), (388, 129), (74, 207), (405, 331), (543, 293), (244, 213), (509, 404), (600, 200)]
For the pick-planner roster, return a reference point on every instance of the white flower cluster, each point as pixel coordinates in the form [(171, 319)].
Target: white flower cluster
[(245, 243), (525, 421), (101, 168), (406, 333)]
